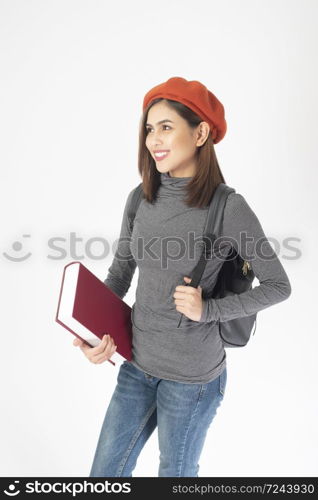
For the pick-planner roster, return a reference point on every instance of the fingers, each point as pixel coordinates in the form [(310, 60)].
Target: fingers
[(91, 351), (103, 351), (100, 348), (182, 291), (110, 350)]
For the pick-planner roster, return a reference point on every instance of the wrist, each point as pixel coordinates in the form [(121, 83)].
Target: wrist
[(203, 312)]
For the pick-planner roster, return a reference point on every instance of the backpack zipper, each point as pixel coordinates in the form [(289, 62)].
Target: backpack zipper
[(246, 267)]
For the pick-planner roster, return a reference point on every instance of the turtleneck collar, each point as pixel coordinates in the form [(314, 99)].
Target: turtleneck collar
[(173, 185)]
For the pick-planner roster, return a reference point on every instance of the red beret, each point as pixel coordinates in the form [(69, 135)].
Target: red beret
[(197, 97)]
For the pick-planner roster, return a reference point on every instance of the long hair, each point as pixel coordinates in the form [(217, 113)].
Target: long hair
[(208, 174)]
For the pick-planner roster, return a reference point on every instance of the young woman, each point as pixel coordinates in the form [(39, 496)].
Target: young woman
[(177, 377)]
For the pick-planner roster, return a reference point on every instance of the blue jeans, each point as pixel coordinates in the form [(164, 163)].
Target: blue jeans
[(140, 402)]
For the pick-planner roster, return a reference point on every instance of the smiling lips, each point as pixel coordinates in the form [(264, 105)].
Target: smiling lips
[(160, 155)]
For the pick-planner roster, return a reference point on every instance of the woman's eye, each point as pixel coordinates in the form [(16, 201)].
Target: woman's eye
[(148, 129)]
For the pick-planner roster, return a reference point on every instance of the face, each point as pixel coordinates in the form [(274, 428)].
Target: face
[(176, 137)]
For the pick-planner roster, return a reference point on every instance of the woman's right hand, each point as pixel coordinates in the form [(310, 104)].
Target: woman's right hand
[(100, 353)]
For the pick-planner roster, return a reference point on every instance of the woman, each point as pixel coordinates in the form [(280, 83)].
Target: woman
[(177, 377)]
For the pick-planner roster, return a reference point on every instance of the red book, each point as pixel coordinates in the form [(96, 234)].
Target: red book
[(88, 309)]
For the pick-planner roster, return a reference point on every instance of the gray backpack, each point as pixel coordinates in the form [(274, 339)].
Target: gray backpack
[(235, 276)]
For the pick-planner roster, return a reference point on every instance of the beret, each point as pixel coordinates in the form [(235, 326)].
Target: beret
[(195, 96)]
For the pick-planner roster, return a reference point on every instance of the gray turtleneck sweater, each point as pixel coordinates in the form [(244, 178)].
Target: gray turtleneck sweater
[(166, 244)]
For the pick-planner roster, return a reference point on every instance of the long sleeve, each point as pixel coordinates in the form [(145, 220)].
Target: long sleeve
[(122, 269), (274, 286)]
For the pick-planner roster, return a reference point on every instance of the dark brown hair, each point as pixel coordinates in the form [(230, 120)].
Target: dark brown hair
[(208, 174)]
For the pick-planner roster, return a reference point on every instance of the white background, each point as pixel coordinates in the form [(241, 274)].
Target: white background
[(73, 77)]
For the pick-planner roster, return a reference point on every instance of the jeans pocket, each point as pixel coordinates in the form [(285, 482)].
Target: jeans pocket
[(222, 381)]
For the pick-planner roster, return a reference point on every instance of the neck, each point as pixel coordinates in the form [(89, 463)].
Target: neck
[(173, 186), (183, 171), (177, 176)]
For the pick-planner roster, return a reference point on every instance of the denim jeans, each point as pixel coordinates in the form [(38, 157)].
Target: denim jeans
[(183, 413)]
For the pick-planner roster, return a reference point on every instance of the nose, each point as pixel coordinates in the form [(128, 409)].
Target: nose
[(156, 139)]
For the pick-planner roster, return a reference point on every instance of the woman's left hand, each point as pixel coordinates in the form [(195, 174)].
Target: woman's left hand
[(188, 300)]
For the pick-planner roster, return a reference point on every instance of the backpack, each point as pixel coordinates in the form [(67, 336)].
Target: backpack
[(235, 276)]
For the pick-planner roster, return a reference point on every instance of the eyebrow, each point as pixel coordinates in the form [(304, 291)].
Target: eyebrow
[(161, 121)]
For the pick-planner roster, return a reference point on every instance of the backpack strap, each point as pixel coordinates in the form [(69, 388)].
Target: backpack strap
[(213, 224), (212, 229), (134, 204)]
